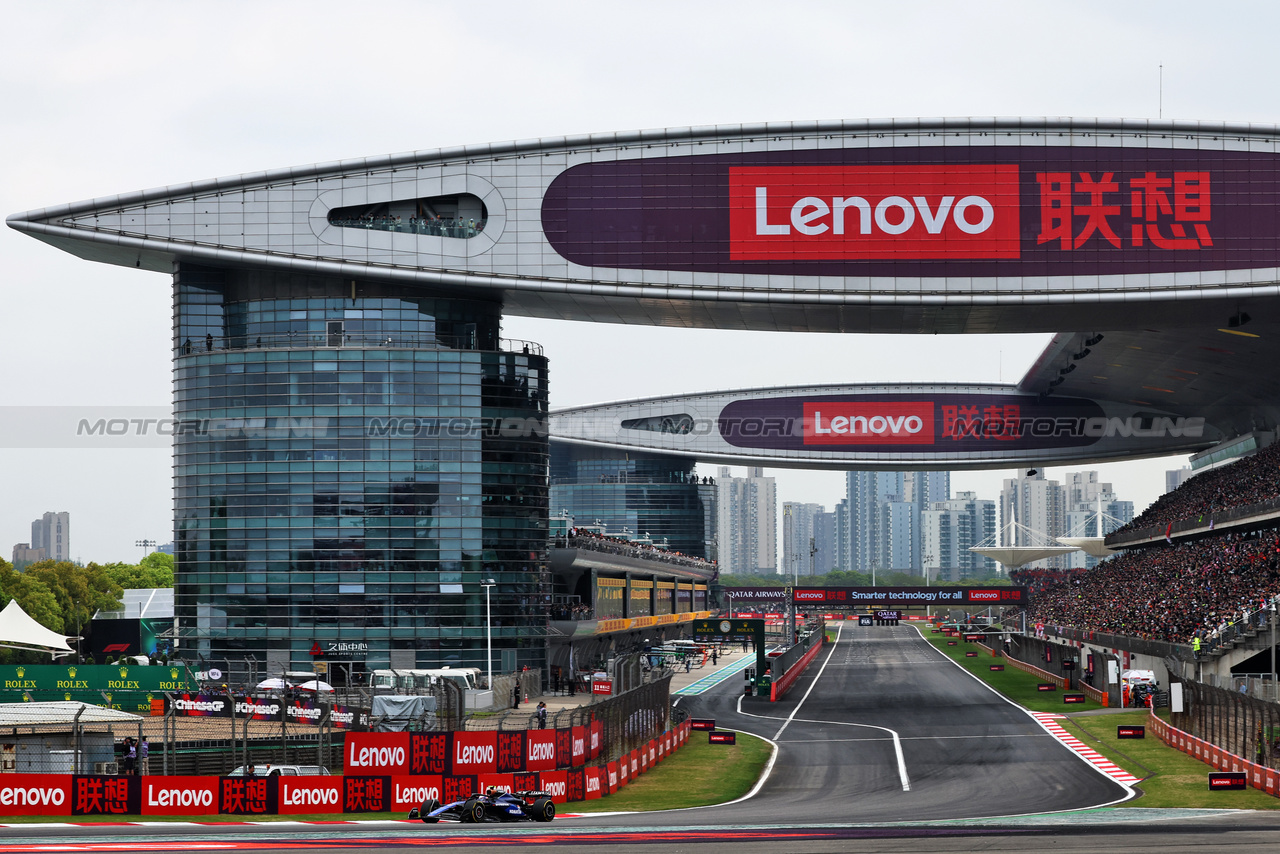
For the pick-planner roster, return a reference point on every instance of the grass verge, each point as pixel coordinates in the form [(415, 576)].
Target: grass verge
[(1171, 779), (696, 775), (1014, 684)]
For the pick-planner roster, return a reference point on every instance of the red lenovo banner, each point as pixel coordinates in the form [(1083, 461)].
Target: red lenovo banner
[(594, 783), (501, 782), (35, 794), (578, 755), (868, 423), (179, 795), (909, 212), (596, 736), (624, 769), (376, 753), (511, 751), (613, 782), (474, 752), (540, 750), (409, 792), (428, 753), (310, 794), (555, 784)]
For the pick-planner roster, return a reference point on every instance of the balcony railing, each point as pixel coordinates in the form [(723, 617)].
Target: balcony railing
[(363, 340)]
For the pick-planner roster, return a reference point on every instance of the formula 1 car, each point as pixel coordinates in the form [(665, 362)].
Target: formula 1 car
[(499, 806)]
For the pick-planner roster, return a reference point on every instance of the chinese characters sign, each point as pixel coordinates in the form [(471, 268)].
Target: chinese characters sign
[(920, 211)]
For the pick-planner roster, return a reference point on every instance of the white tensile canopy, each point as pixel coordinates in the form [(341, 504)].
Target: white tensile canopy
[(1095, 546), (1012, 557), (19, 631)]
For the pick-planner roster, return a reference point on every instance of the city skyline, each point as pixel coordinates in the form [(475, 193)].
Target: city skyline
[(115, 323)]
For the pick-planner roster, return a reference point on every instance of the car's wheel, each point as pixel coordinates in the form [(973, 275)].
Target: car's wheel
[(429, 806), (472, 811), (544, 809)]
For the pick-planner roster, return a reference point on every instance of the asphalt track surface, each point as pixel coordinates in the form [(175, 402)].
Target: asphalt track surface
[(883, 745)]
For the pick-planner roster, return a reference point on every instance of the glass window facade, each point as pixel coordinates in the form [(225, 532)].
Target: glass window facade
[(347, 490), (652, 494)]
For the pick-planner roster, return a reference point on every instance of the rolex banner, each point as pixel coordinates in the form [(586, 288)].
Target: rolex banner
[(129, 688)]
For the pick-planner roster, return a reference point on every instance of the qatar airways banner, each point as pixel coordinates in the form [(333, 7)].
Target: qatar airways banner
[(940, 423), (981, 211)]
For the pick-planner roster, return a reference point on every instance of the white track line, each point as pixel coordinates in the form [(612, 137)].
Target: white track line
[(897, 742)]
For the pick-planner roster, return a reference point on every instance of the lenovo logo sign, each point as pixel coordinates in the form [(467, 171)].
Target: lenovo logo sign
[(873, 212), (869, 423)]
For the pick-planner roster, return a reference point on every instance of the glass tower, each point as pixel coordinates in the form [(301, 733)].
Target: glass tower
[(353, 458)]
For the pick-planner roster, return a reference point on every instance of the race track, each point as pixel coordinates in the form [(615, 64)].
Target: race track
[(960, 752)]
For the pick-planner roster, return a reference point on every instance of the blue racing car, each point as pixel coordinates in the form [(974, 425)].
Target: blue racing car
[(491, 806)]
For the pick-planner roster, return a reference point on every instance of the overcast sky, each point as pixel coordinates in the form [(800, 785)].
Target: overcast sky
[(102, 98)]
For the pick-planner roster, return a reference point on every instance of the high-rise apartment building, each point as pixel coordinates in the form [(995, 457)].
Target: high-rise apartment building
[(825, 528), (798, 538), (948, 529), (52, 532), (1174, 478), (884, 517), (1036, 504), (747, 523)]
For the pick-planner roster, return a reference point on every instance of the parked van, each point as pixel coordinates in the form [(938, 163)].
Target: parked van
[(269, 769)]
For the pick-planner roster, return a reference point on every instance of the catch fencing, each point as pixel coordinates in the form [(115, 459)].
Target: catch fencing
[(1243, 726)]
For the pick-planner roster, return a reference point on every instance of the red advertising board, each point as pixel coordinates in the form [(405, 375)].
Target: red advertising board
[(35, 794), (612, 782), (98, 795), (596, 737), (409, 792), (578, 754), (555, 783), (540, 750), (594, 778), (474, 752), (310, 795), (376, 753), (868, 212), (624, 770), (602, 686), (366, 794), (871, 422), (177, 795), (501, 782)]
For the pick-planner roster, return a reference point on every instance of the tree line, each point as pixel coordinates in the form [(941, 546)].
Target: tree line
[(63, 596)]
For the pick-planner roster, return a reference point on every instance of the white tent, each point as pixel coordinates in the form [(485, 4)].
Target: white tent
[(19, 631)]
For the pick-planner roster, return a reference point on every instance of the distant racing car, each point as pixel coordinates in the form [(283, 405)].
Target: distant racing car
[(491, 806)]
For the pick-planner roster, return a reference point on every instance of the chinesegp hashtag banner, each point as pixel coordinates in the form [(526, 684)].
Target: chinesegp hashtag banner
[(267, 708), (106, 797)]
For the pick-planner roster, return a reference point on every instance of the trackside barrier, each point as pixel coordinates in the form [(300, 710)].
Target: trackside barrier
[(93, 795), (780, 686), (1043, 675), (1095, 694), (1259, 776)]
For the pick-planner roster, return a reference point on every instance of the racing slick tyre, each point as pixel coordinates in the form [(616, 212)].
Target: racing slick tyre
[(472, 811), (429, 806), (543, 810)]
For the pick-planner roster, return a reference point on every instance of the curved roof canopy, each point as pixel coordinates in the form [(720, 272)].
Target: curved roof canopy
[(1150, 247)]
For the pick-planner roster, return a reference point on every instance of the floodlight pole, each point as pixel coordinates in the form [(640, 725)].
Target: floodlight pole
[(488, 584)]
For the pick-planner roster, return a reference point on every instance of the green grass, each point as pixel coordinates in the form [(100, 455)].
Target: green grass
[(697, 774), (1014, 684), (1171, 778)]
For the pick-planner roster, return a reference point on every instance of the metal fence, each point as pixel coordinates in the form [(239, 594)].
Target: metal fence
[(629, 719), (1240, 724)]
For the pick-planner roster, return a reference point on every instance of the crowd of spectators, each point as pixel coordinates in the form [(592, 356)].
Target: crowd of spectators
[(433, 225), (1174, 593), (567, 611), (581, 539), (1251, 480)]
